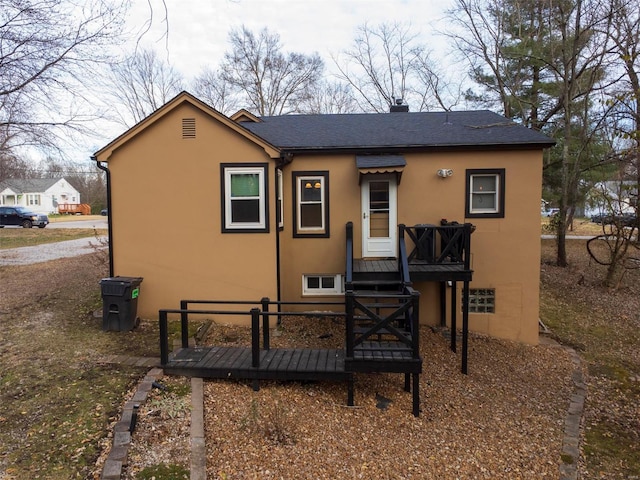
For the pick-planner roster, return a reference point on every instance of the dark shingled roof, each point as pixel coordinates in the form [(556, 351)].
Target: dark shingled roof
[(396, 131), (31, 185)]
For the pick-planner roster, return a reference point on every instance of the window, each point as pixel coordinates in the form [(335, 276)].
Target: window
[(482, 300), (485, 193), (244, 193), (33, 199), (311, 204), (279, 197), (322, 285)]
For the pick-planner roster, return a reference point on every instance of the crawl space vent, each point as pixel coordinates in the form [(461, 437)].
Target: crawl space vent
[(188, 128)]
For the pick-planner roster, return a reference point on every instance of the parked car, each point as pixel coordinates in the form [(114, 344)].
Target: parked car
[(21, 217), (624, 220), (551, 212), (104, 212)]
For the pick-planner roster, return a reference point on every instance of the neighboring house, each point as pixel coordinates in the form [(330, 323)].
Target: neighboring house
[(211, 207), (612, 198), (42, 195)]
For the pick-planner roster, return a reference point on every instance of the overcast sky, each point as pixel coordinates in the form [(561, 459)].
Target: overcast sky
[(198, 29), (193, 34)]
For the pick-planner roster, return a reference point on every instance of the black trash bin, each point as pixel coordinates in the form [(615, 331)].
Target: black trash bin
[(120, 303)]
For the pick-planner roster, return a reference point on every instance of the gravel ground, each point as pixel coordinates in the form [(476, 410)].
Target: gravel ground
[(504, 420), (51, 251)]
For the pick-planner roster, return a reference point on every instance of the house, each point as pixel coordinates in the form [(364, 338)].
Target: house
[(41, 195), (208, 206)]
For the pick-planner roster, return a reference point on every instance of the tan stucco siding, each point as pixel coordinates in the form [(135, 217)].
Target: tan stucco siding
[(166, 213), (505, 251)]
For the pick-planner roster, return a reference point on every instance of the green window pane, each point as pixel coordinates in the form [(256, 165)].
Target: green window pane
[(245, 185)]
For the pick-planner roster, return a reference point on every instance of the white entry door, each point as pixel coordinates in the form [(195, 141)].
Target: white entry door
[(379, 216)]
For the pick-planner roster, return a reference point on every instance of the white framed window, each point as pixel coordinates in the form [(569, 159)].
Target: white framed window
[(482, 300), (33, 199), (244, 195), (485, 193), (322, 284), (280, 196), (311, 204)]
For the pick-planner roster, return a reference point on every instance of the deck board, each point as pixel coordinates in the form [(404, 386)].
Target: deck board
[(236, 362), (418, 270)]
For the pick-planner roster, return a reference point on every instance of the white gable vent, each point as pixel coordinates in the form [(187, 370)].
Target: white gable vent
[(188, 128)]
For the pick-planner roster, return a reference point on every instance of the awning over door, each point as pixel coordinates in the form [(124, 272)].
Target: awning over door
[(369, 164)]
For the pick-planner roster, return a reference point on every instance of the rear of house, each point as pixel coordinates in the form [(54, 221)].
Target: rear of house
[(206, 206)]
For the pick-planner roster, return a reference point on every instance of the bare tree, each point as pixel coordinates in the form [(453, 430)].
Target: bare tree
[(541, 62), (330, 97), (47, 49), (141, 84), (625, 96), (268, 80), (13, 167), (387, 63), (211, 87)]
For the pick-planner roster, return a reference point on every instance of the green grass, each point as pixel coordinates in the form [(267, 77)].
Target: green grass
[(27, 237)]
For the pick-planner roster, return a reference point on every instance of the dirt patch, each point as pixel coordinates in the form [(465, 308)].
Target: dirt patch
[(57, 397), (603, 325)]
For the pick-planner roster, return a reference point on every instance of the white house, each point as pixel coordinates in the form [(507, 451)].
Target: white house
[(42, 195), (612, 198)]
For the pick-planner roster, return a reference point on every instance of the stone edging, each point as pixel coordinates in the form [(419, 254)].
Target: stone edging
[(571, 441), (117, 458)]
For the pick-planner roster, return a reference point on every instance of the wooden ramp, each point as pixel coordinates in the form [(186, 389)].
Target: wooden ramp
[(275, 364)]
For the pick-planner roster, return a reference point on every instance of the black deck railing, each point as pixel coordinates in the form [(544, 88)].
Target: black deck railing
[(438, 244), (258, 311), (392, 315), (349, 258)]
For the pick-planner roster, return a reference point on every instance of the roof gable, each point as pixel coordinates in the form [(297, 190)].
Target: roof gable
[(184, 97)]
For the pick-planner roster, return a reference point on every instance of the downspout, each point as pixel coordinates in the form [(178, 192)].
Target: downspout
[(278, 272), (109, 212)]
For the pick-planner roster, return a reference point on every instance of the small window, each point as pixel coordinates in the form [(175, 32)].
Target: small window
[(322, 285), (482, 300), (485, 193), (33, 199), (311, 204), (244, 193), (279, 197)]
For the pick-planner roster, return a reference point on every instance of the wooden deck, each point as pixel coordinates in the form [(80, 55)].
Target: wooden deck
[(275, 364), (418, 270)]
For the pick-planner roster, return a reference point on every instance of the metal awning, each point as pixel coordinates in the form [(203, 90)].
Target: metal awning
[(376, 164)]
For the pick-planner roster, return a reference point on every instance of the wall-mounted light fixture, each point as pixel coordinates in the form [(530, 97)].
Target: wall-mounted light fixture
[(444, 172)]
